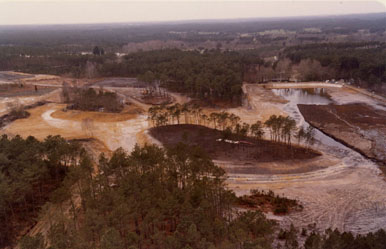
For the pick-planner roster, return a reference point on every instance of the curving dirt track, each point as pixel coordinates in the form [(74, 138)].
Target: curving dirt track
[(349, 195), (114, 134)]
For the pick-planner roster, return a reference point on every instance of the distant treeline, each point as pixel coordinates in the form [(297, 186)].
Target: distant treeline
[(364, 63), (79, 37), (212, 74), (209, 73)]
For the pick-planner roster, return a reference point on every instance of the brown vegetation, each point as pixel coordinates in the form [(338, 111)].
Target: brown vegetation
[(249, 149), (358, 126), (268, 201)]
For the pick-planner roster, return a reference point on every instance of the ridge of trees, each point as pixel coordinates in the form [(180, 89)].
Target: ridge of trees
[(282, 129)]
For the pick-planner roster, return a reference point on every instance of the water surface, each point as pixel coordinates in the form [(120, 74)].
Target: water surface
[(309, 96)]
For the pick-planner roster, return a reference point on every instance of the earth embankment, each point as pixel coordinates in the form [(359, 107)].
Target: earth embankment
[(358, 126)]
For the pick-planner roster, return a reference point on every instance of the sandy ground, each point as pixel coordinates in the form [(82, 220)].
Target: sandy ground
[(107, 131), (347, 96), (301, 85), (259, 104), (41, 123), (349, 195), (114, 130), (5, 102)]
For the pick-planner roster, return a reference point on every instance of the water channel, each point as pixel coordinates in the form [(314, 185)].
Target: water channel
[(319, 96)]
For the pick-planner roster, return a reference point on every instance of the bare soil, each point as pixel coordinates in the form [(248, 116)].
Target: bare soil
[(16, 90), (40, 124), (348, 194), (359, 126), (252, 150)]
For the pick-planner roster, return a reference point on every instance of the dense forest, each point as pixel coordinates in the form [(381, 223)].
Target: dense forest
[(29, 171), (362, 63), (209, 75), (166, 198), (154, 198), (203, 75), (150, 198), (218, 74)]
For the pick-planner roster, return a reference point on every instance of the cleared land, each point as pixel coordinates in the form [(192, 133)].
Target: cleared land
[(15, 90), (359, 126), (250, 152), (113, 134), (338, 189), (349, 194)]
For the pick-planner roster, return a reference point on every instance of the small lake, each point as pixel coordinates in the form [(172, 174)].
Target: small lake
[(310, 96)]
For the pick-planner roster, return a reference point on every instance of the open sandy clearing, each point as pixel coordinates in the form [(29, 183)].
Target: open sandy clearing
[(114, 134), (129, 112), (349, 195), (5, 102)]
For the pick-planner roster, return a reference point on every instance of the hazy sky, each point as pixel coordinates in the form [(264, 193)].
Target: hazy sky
[(89, 11)]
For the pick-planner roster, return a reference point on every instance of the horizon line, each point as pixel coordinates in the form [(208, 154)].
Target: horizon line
[(205, 20)]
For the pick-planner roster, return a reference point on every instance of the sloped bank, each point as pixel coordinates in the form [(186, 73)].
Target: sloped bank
[(18, 114), (357, 126)]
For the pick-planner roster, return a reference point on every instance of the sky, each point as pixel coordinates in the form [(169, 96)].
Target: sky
[(112, 11)]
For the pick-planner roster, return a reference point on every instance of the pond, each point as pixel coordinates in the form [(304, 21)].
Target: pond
[(311, 96)]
